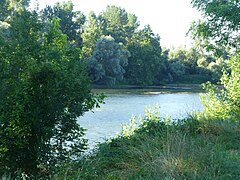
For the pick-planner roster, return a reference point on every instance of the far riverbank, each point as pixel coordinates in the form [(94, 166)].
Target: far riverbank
[(163, 88)]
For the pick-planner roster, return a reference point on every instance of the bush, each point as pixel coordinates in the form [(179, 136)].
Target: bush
[(44, 88), (224, 102)]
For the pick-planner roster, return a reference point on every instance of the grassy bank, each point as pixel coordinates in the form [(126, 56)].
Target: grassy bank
[(189, 149), (169, 88)]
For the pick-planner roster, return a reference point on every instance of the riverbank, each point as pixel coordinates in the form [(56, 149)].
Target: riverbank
[(192, 148), (163, 88)]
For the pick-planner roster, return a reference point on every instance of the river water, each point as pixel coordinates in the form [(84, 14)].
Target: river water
[(120, 105)]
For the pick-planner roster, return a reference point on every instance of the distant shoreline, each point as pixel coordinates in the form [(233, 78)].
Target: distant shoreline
[(166, 87)]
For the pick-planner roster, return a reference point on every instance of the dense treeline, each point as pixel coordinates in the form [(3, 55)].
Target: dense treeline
[(118, 51)]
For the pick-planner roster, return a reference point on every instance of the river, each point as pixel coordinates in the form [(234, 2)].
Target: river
[(120, 105)]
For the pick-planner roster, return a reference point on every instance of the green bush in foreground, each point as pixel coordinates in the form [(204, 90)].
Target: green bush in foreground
[(43, 89), (157, 149), (224, 103)]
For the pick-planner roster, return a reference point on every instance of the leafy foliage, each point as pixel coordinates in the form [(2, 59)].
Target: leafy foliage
[(221, 21), (183, 63), (145, 62), (44, 88), (222, 24), (177, 69), (118, 23), (108, 61), (92, 32), (224, 103), (147, 65), (71, 22)]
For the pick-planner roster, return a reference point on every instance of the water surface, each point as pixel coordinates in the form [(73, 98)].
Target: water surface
[(120, 105)]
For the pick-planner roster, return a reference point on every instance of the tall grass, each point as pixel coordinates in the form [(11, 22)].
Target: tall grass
[(187, 149)]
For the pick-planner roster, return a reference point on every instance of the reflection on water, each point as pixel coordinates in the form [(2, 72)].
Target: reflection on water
[(120, 105)]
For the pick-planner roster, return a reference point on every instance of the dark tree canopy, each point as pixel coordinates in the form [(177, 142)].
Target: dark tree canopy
[(145, 62), (44, 88), (108, 61)]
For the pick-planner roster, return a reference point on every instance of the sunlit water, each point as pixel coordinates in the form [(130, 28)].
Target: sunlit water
[(120, 105)]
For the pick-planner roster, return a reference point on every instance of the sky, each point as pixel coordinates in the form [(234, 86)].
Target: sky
[(170, 19)]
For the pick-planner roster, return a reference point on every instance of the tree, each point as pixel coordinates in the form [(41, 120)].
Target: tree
[(186, 57), (221, 22), (71, 22), (44, 88), (191, 61), (3, 10), (108, 61), (145, 63), (221, 26), (8, 7), (4, 29), (119, 24), (216, 68), (92, 32), (224, 103), (177, 69)]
